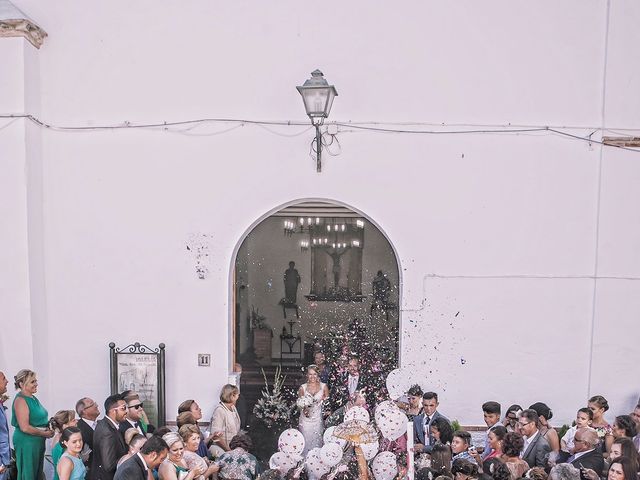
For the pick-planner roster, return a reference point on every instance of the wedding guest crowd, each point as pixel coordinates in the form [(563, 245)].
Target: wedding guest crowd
[(124, 445)]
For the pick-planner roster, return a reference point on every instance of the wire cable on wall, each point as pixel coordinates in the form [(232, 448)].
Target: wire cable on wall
[(342, 127)]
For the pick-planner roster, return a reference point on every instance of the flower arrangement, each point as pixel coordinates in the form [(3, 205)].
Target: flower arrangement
[(272, 409)]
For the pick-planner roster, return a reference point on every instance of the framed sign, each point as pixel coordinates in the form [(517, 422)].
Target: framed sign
[(141, 369)]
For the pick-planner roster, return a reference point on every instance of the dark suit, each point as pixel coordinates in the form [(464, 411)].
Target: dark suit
[(131, 469), (340, 389), (593, 460), (108, 446), (419, 431), (87, 438), (125, 425), (537, 452)]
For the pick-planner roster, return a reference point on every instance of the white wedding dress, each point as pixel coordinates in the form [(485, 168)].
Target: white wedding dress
[(311, 425)]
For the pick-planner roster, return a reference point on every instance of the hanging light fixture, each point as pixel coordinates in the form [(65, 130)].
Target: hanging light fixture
[(317, 96), (326, 232)]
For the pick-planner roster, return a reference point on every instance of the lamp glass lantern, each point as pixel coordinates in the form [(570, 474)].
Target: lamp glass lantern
[(317, 96)]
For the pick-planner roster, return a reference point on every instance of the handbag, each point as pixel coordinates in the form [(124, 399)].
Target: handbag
[(12, 469)]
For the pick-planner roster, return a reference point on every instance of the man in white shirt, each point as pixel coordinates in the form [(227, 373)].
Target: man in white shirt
[(353, 376)]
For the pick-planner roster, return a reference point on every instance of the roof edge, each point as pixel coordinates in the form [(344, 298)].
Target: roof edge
[(14, 23)]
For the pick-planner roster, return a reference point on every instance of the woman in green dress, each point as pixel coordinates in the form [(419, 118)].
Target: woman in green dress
[(31, 422)]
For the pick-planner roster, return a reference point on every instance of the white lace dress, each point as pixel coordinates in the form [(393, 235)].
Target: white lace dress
[(311, 425)]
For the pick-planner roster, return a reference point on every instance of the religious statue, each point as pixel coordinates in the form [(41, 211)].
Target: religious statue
[(381, 288), (291, 282), (380, 293), (337, 268)]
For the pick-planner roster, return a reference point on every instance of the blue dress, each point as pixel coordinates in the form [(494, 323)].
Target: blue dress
[(79, 470)]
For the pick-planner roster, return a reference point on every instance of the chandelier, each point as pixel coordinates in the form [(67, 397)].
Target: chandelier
[(326, 232)]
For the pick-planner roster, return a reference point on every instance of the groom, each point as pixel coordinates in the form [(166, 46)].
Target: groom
[(347, 384)]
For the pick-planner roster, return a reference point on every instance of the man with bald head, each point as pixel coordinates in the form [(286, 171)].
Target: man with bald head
[(585, 455)]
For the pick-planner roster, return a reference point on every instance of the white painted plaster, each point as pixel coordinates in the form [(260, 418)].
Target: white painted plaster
[(110, 213)]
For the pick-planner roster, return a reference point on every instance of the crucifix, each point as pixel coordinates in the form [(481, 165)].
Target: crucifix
[(335, 254)]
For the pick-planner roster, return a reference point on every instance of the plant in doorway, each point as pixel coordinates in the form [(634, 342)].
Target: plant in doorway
[(271, 415), (272, 409)]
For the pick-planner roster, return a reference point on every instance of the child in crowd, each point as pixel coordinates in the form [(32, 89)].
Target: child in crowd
[(584, 417)]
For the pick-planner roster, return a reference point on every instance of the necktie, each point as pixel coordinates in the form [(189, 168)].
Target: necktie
[(427, 439)]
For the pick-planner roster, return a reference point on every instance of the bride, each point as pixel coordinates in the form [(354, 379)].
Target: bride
[(311, 395)]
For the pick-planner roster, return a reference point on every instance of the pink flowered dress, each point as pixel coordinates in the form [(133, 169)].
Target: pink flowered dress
[(603, 431)]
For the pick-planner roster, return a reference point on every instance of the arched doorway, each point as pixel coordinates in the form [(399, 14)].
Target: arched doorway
[(314, 275)]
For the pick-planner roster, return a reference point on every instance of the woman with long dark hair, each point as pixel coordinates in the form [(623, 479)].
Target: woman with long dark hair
[(441, 430), (496, 440), (622, 469)]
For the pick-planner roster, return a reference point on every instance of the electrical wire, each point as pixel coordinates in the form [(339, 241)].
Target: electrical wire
[(129, 125), (343, 127), (333, 139)]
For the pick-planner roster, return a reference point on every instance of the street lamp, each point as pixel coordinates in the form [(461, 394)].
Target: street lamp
[(317, 96)]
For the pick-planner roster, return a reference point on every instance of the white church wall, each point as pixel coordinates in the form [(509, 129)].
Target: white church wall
[(15, 312), (615, 344), (623, 67), (37, 186), (511, 340), (616, 303), (469, 215)]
